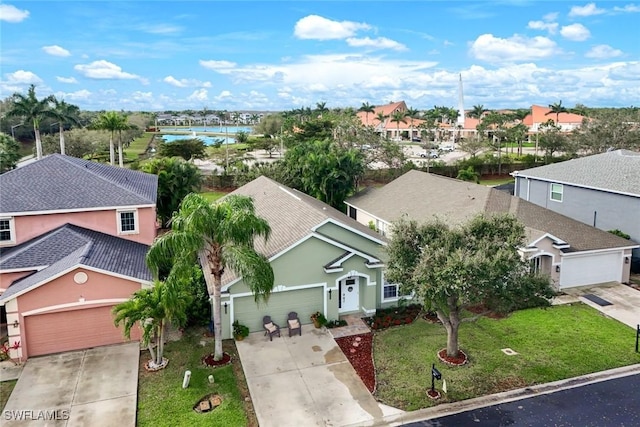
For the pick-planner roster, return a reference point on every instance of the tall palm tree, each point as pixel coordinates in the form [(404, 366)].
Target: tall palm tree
[(557, 108), (321, 108), (65, 114), (255, 119), (151, 309), (113, 122), (382, 118), (477, 111), (222, 235), (32, 109), (367, 108), (397, 117), (412, 113)]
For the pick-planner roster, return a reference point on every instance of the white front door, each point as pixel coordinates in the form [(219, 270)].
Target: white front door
[(349, 295)]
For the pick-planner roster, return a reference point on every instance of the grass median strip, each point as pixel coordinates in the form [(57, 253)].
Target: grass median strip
[(552, 344)]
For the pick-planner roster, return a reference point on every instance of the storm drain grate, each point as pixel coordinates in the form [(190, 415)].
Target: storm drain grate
[(593, 298), (509, 352)]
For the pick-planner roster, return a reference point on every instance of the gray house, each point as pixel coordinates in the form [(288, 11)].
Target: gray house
[(602, 190), (570, 252)]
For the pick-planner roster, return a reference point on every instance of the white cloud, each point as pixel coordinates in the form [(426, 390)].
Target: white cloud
[(9, 13), (550, 16), (551, 27), (105, 70), (66, 79), (56, 50), (160, 29), (575, 32), (82, 94), (185, 82), (224, 95), (603, 51), (377, 43), (489, 48), (199, 95), (629, 8), (316, 27), (586, 10), (22, 77), (217, 65)]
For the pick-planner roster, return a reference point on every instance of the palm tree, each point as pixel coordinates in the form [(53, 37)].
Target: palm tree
[(397, 117), (112, 121), (65, 114), (152, 308), (205, 111), (367, 108), (255, 119), (557, 108), (477, 111), (222, 235), (32, 109), (321, 108), (412, 113)]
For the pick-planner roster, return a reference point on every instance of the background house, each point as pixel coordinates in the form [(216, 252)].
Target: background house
[(73, 239), (322, 261), (570, 252), (602, 190), (540, 115)]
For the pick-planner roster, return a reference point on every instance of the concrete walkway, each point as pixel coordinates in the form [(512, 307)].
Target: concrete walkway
[(306, 381), (96, 387), (625, 301)]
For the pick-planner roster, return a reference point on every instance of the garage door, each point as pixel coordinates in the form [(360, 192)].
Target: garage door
[(592, 269), (302, 301), (72, 330)]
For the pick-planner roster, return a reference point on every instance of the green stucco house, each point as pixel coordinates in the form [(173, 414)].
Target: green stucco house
[(322, 261)]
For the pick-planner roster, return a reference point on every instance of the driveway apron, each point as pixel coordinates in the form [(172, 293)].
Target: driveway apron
[(95, 387), (305, 381), (624, 301)]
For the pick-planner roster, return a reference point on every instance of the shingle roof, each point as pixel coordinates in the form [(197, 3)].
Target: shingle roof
[(423, 196), (614, 171), (68, 246), (291, 214), (58, 182)]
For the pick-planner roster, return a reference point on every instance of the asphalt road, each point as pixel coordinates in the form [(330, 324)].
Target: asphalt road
[(613, 403)]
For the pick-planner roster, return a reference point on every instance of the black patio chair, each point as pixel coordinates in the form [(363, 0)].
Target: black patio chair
[(294, 324), (270, 327)]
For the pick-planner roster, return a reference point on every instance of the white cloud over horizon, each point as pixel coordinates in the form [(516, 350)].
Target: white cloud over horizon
[(105, 70), (517, 48), (575, 32), (56, 50), (314, 27), (603, 51), (11, 14), (589, 9)]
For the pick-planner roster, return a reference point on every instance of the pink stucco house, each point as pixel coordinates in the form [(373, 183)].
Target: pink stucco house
[(73, 239)]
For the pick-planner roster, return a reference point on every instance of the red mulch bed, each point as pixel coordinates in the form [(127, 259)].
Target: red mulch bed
[(362, 358), (453, 361), (208, 360)]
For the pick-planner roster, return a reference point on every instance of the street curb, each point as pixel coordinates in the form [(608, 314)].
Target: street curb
[(503, 397)]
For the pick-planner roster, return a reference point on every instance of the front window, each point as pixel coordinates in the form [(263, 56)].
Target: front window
[(390, 291), (6, 231), (128, 222), (556, 192)]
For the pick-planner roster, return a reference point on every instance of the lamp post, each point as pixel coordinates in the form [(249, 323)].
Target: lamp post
[(13, 134)]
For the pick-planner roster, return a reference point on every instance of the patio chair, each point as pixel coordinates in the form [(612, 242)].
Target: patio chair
[(270, 327), (294, 324)]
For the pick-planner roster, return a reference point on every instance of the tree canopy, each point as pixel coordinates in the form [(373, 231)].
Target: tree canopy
[(192, 148), (452, 268), (9, 153)]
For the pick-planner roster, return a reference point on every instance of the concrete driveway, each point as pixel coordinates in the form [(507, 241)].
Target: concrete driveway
[(96, 387), (625, 301), (305, 381)]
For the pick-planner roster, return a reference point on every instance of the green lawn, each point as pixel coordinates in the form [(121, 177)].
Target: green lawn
[(137, 147), (163, 402), (212, 196), (554, 343), (6, 387)]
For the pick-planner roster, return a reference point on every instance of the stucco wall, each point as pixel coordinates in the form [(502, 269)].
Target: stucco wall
[(7, 278), (30, 226)]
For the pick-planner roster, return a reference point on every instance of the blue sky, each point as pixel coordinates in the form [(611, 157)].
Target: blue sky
[(240, 55)]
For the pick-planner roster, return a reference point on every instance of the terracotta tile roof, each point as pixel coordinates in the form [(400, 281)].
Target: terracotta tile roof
[(543, 114), (421, 196)]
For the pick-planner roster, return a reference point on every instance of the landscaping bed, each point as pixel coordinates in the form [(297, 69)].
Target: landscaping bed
[(551, 344), (393, 316), (359, 352), (163, 402)]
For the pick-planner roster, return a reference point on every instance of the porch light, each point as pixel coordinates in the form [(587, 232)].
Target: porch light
[(225, 308), (16, 323), (557, 269), (626, 260), (329, 293)]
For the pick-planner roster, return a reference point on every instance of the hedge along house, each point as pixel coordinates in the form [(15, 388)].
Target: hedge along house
[(322, 261)]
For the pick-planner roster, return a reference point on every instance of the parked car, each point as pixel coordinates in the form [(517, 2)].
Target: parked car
[(433, 154), (416, 139), (448, 147)]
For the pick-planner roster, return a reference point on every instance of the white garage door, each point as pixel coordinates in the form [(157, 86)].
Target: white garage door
[(72, 330), (592, 269)]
